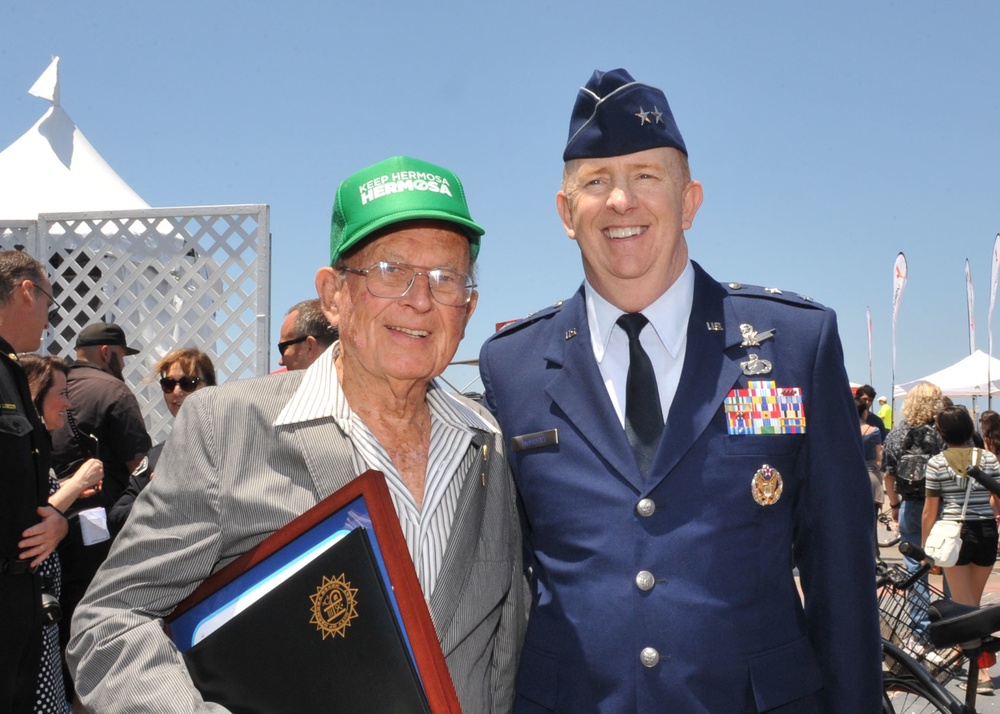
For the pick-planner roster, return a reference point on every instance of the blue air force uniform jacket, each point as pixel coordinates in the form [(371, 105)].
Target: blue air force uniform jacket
[(676, 593)]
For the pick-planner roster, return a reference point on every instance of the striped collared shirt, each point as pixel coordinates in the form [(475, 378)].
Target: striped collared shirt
[(453, 423)]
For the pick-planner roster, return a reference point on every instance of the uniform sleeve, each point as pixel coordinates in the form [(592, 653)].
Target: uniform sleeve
[(120, 657), (833, 538)]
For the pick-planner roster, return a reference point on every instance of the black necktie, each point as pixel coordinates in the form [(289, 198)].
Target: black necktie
[(643, 417)]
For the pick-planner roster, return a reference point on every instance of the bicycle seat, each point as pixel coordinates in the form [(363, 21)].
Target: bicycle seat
[(953, 623)]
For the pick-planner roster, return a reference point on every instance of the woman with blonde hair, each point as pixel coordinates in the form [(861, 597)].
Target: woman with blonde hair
[(908, 448)]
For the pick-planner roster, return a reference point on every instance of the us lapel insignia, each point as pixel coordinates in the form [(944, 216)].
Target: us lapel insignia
[(752, 338), (714, 326), (334, 606), (766, 486), (570, 333), (755, 366)]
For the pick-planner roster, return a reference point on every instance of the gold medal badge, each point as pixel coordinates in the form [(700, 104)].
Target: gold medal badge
[(334, 606), (766, 486)]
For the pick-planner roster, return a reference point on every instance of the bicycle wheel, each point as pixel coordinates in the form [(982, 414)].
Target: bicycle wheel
[(886, 529), (905, 696), (908, 688)]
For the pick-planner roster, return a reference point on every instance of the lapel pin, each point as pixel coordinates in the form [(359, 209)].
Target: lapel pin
[(752, 338), (714, 326), (755, 366), (766, 486), (570, 333)]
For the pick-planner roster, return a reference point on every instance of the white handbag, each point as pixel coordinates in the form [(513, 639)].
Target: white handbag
[(944, 542)]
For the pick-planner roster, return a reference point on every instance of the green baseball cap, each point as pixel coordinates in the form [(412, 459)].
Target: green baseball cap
[(397, 189)]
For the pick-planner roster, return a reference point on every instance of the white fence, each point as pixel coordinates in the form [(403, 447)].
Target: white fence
[(171, 277)]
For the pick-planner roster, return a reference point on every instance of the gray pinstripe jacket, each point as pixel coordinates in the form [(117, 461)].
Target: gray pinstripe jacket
[(227, 479)]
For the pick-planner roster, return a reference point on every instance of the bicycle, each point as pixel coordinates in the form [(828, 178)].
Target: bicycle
[(911, 687)]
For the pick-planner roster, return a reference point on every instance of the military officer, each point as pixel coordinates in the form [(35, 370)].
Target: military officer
[(679, 447)]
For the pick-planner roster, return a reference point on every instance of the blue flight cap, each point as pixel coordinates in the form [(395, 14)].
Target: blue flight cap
[(614, 115)]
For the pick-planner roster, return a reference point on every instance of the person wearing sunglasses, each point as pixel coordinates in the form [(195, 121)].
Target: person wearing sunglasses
[(181, 373), (305, 335)]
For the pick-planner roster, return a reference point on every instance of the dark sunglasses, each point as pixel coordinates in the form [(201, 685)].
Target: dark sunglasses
[(188, 384), (283, 346)]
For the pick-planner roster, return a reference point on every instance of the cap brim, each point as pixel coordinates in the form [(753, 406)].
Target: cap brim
[(472, 229)]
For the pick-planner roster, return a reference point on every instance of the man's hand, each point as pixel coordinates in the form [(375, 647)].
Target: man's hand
[(43, 537)]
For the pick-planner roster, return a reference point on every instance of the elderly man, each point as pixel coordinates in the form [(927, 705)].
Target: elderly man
[(29, 527), (248, 457), (305, 335), (672, 477)]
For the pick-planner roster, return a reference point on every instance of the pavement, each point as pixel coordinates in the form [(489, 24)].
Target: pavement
[(984, 703)]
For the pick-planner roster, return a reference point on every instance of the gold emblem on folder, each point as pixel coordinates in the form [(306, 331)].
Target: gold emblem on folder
[(334, 606)]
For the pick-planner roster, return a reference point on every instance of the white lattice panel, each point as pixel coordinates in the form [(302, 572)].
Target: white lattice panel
[(171, 277)]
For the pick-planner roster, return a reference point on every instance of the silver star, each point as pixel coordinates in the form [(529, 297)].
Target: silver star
[(658, 115), (643, 117)]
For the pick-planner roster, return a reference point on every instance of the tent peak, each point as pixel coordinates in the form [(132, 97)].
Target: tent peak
[(47, 85)]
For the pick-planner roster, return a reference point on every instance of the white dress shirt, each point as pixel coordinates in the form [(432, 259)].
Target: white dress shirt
[(664, 339), (425, 529)]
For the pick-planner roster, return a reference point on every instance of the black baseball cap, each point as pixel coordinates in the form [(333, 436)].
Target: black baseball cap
[(104, 333)]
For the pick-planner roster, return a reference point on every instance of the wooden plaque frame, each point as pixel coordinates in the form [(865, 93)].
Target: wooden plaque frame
[(416, 622)]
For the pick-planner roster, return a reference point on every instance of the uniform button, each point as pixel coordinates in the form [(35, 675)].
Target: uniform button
[(649, 657), (645, 580), (646, 507)]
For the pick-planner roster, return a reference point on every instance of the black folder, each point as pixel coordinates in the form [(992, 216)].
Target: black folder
[(341, 624)]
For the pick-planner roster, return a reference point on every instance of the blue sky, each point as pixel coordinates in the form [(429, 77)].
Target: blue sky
[(828, 137)]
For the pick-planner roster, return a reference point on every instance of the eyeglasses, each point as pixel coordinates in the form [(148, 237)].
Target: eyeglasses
[(282, 346), (394, 280), (188, 384), (54, 306)]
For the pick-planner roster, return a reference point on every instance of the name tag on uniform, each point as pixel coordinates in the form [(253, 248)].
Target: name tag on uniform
[(765, 408), (534, 441)]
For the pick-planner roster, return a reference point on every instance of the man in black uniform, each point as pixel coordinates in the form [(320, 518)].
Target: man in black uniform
[(105, 422), (29, 527)]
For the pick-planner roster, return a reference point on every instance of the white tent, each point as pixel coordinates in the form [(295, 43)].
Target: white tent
[(968, 377), (52, 168)]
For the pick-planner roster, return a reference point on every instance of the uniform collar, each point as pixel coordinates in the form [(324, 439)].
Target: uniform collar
[(669, 314)]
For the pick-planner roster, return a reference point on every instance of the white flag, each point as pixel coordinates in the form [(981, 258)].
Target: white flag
[(993, 288), (898, 285), (972, 312), (871, 374)]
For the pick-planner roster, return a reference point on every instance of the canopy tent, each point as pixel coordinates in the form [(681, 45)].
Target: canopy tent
[(52, 168), (968, 377)]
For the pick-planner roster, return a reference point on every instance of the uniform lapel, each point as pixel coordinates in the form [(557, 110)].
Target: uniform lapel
[(708, 374), (578, 390)]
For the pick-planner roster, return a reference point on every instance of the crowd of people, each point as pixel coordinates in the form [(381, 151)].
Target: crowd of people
[(585, 539)]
